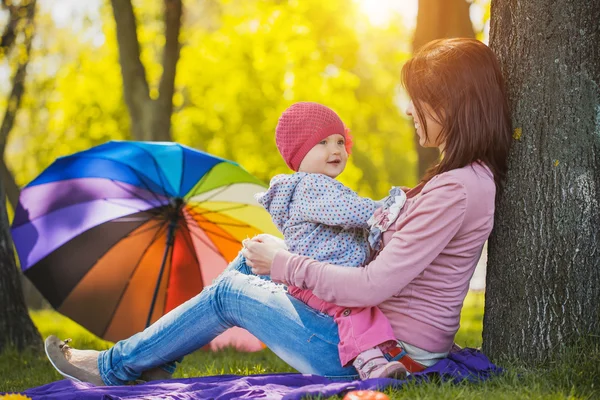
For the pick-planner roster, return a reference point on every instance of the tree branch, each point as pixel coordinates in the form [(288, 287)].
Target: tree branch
[(135, 84), (14, 100), (10, 31), (163, 106)]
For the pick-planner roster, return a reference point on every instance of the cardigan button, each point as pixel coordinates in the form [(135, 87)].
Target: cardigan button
[(347, 312)]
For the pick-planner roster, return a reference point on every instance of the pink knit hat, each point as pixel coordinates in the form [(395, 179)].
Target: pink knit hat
[(302, 126)]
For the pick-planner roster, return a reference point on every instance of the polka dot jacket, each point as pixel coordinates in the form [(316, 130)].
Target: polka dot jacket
[(320, 217)]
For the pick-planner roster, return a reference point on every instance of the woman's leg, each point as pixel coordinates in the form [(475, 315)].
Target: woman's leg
[(301, 336), (359, 329)]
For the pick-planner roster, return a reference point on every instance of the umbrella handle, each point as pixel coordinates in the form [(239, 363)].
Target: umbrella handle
[(170, 241)]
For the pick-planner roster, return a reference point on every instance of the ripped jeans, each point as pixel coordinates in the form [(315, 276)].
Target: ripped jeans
[(301, 336)]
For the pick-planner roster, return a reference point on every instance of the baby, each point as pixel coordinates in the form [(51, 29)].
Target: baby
[(323, 219)]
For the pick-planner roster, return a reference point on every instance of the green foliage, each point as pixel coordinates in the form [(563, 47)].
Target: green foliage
[(242, 63), (73, 99), (471, 320)]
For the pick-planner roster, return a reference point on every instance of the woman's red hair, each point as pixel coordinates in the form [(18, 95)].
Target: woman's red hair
[(461, 81)]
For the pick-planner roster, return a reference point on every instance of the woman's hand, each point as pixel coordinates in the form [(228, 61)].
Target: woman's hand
[(260, 252)]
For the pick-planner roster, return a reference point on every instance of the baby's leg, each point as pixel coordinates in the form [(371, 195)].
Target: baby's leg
[(362, 331)]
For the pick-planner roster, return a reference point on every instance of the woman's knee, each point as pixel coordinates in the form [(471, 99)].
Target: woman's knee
[(239, 264)]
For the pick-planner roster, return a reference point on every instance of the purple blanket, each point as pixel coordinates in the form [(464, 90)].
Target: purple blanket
[(468, 364)]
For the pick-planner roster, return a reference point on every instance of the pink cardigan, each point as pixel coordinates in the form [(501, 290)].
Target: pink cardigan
[(421, 277)]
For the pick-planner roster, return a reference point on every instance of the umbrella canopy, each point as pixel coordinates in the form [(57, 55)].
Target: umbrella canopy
[(116, 236)]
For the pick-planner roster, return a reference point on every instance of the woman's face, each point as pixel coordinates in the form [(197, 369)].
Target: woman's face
[(434, 128)]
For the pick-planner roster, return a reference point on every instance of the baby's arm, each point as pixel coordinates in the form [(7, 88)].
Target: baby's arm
[(321, 199)]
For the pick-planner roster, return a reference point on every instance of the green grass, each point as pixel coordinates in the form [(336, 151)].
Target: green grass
[(574, 376)]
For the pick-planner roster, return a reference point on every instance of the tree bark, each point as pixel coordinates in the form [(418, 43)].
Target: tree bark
[(163, 106), (150, 119), (543, 278), (16, 327), (12, 189), (10, 30), (19, 15), (438, 19), (135, 84), (21, 20)]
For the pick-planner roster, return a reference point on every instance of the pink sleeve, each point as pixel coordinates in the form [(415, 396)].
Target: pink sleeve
[(433, 220)]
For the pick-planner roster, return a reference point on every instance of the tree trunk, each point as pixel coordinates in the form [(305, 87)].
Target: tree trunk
[(438, 19), (23, 17), (150, 119), (135, 84), (12, 189), (163, 105), (543, 281), (21, 21), (16, 327)]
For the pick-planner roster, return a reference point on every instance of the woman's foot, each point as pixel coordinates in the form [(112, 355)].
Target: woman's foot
[(373, 364), (77, 365)]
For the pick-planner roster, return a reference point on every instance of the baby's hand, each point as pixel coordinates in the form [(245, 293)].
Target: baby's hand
[(260, 252)]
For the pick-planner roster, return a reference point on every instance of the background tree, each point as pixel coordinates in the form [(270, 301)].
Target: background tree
[(150, 110), (242, 64), (16, 38), (15, 47), (437, 19), (16, 327), (543, 282), (257, 57)]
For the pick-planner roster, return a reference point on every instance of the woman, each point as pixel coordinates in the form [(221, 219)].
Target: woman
[(419, 279)]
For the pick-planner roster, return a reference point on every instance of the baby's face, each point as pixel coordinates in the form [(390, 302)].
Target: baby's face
[(328, 157)]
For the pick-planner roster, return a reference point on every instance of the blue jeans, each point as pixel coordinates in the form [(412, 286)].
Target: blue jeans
[(301, 336)]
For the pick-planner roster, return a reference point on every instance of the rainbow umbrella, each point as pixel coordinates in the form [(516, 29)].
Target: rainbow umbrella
[(116, 236)]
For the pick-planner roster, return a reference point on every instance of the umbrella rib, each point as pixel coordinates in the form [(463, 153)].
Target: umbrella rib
[(148, 228), (227, 224), (203, 178), (122, 186), (156, 235), (130, 219), (190, 209), (193, 214), (182, 168), (158, 170), (209, 244), (217, 211), (75, 204), (221, 190), (190, 245), (199, 237), (135, 171), (113, 201), (231, 238), (168, 252)]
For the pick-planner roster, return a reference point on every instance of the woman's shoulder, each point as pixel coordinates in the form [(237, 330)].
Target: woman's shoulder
[(473, 175), (473, 181)]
